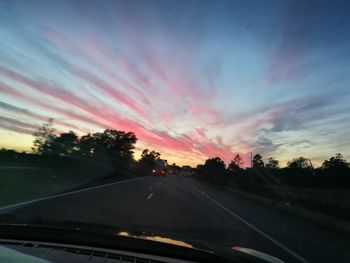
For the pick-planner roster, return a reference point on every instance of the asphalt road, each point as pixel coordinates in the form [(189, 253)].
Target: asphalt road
[(184, 209)]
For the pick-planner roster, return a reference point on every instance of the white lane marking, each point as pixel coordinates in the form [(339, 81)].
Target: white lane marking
[(286, 249), (68, 193), (150, 196)]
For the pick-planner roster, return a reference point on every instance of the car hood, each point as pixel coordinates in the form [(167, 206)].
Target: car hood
[(114, 238)]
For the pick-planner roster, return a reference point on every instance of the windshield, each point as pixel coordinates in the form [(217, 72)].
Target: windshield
[(214, 125)]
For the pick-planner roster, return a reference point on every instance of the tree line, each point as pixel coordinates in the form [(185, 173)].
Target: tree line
[(299, 172), (116, 148), (110, 147)]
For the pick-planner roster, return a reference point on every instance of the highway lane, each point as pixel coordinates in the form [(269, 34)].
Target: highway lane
[(184, 209)]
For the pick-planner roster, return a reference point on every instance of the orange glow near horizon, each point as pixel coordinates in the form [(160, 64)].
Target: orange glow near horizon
[(24, 142), (17, 141)]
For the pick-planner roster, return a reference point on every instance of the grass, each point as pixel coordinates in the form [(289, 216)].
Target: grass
[(18, 184), (332, 202)]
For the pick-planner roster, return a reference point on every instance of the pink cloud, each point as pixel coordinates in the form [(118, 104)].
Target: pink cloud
[(109, 90), (106, 118), (93, 52), (16, 129), (33, 116), (57, 93), (161, 140), (11, 91), (134, 72), (171, 70), (173, 76), (58, 40), (173, 73), (69, 113), (201, 131), (15, 122), (199, 110)]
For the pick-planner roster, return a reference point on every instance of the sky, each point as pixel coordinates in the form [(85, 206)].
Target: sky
[(192, 79)]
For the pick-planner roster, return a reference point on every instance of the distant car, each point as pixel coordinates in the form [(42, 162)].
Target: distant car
[(186, 171), (159, 167), (159, 172)]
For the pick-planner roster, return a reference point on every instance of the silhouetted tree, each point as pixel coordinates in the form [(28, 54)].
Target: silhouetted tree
[(299, 163), (118, 144), (213, 170), (257, 161), (115, 147), (149, 155), (65, 144), (44, 138), (9, 155), (88, 146), (336, 171), (335, 162), (299, 172), (236, 164), (272, 164), (215, 164), (147, 160)]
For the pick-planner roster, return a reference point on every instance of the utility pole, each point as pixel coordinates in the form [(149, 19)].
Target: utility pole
[(251, 159)]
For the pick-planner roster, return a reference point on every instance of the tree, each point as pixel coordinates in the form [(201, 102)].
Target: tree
[(149, 155), (238, 161), (236, 164), (118, 144), (44, 138), (64, 144), (299, 163), (299, 172), (9, 155), (213, 170), (147, 160), (336, 170), (272, 164), (257, 161), (215, 163), (48, 142), (87, 146), (335, 162), (115, 147)]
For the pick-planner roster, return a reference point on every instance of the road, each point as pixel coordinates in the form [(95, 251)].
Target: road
[(185, 209)]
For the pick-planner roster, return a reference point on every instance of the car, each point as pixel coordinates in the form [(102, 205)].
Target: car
[(186, 171), (159, 172), (160, 167)]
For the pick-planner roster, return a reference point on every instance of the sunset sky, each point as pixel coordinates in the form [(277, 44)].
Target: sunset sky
[(192, 79)]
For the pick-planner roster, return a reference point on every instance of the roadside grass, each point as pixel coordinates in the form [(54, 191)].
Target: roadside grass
[(18, 184), (333, 202)]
